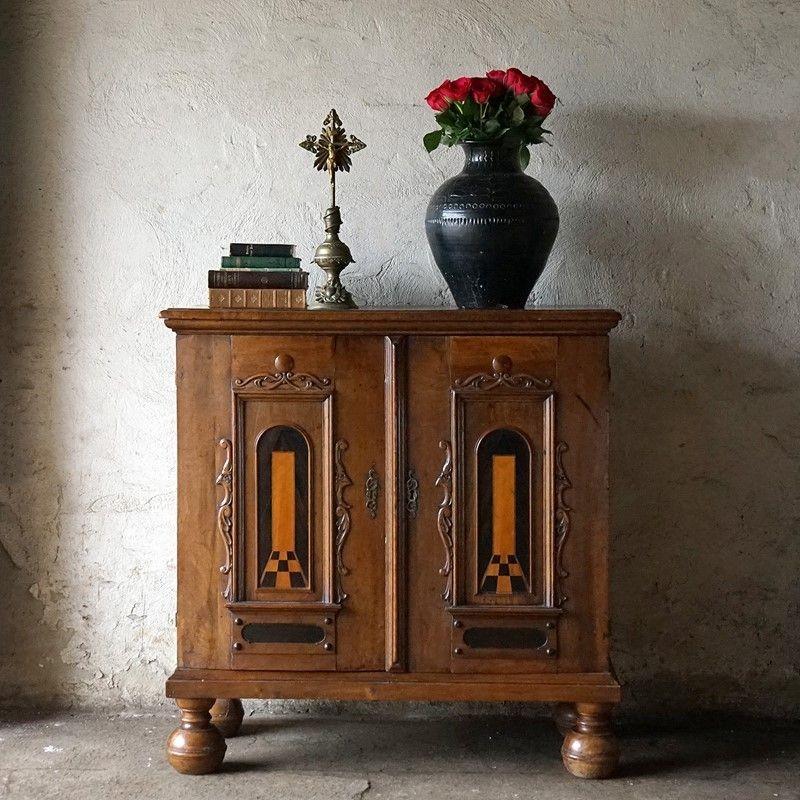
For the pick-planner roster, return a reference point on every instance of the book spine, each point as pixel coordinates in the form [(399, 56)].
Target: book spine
[(257, 279), (260, 262), (281, 250), (256, 298)]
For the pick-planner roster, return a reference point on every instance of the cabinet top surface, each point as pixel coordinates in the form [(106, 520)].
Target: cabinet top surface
[(381, 321)]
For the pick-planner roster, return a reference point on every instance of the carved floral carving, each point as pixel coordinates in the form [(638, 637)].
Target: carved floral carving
[(412, 494), (562, 522), (284, 377), (444, 519), (501, 375), (225, 512), (342, 514), (372, 487)]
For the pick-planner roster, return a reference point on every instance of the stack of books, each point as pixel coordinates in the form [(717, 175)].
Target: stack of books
[(258, 276)]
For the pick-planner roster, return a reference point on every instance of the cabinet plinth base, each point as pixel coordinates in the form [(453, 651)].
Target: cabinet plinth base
[(560, 687)]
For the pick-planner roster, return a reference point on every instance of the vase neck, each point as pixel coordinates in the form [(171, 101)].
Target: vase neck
[(490, 157)]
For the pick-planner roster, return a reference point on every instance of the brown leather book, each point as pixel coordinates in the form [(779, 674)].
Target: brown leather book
[(257, 298), (257, 279)]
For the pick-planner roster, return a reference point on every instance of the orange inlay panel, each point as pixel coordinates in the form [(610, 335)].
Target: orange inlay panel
[(504, 522), (283, 492)]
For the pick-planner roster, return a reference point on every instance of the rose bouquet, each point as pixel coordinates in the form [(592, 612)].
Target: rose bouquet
[(506, 104)]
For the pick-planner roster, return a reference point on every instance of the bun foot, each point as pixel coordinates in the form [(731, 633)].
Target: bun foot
[(227, 716), (564, 716), (590, 749), (195, 747)]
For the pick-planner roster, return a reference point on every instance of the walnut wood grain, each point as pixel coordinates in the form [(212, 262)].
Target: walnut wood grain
[(359, 374), (203, 409), (593, 687), (396, 508), (384, 322)]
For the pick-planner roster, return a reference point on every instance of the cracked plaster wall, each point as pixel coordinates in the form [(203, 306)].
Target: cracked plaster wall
[(138, 138)]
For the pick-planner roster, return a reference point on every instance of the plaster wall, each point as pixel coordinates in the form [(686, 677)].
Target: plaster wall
[(139, 137)]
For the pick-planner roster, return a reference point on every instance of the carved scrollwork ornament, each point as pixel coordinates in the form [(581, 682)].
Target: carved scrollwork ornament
[(412, 494), (502, 375), (225, 513), (562, 522), (284, 377), (342, 514), (372, 488), (444, 519)]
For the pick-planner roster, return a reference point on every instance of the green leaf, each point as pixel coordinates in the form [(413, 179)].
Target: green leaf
[(432, 140), (470, 109), (445, 118), (522, 99), (524, 157), (517, 116), (492, 127)]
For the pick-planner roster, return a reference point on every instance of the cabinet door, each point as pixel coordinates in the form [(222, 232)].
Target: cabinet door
[(496, 425), (306, 557)]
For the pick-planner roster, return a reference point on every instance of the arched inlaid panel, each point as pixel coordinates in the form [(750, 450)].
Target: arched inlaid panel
[(504, 513), (282, 458)]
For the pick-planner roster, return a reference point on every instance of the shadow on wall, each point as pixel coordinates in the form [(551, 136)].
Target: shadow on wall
[(35, 458), (706, 407)]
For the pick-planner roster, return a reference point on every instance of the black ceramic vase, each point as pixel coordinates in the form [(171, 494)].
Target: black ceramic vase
[(491, 228)]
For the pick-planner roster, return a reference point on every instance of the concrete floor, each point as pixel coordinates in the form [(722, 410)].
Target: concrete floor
[(93, 756)]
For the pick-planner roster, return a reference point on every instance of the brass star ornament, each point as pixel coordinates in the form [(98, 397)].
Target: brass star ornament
[(332, 150)]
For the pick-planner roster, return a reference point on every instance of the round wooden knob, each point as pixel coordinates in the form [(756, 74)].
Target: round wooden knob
[(284, 362), (502, 364)]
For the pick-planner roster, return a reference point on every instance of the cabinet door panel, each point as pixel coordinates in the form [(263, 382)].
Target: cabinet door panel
[(504, 612), (500, 496), (307, 566)]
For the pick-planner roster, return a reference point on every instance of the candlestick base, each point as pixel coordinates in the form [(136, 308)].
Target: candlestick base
[(332, 256)]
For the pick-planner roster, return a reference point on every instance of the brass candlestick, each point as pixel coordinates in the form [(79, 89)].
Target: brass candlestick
[(332, 151)]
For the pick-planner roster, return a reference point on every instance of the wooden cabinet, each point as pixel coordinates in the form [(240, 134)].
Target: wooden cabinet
[(393, 505)]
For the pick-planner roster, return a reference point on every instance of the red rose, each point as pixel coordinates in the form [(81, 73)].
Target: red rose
[(484, 88), (512, 79), (457, 90), (437, 101), (542, 99), (497, 75)]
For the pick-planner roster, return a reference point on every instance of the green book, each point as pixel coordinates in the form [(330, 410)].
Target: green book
[(260, 262)]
